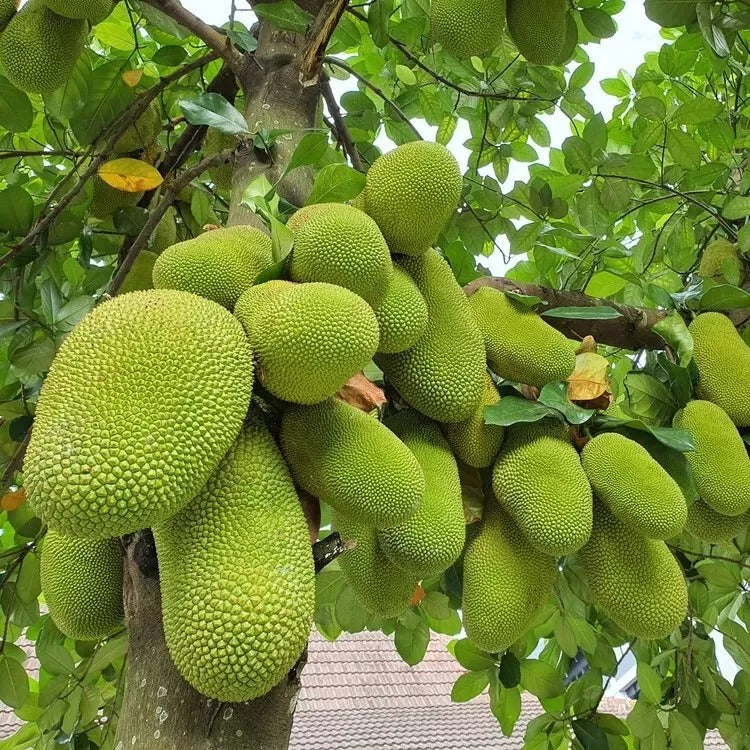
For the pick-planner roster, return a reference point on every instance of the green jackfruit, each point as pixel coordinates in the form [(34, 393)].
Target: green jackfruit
[(237, 575), (506, 582), (720, 464), (91, 10), (538, 29), (82, 585), (412, 192), (218, 265), (723, 362), (142, 133), (401, 314), (311, 340), (352, 461), (704, 523), (465, 28), (8, 9), (634, 486), (442, 375), (215, 143), (539, 480), (520, 345), (165, 234), (139, 276), (342, 245), (39, 49), (143, 399), (636, 581), (473, 441), (670, 14), (433, 538), (721, 259), (106, 200), (252, 306), (379, 586)]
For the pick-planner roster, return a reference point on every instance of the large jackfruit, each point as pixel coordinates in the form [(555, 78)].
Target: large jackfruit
[(8, 9), (520, 345), (433, 538), (218, 265), (91, 10), (237, 575), (310, 341), (473, 441), (506, 582), (352, 461), (142, 133), (704, 523), (401, 314), (412, 192), (140, 273), (442, 375), (721, 258), (82, 585), (723, 362), (636, 581), (379, 586), (342, 245), (165, 234), (538, 29), (467, 28), (634, 486), (106, 199), (720, 464), (539, 479), (143, 399)]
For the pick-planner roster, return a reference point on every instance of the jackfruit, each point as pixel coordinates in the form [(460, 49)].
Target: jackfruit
[(106, 199), (720, 464), (237, 575), (310, 341), (352, 461), (506, 582), (301, 216), (82, 585), (142, 133), (432, 539), (412, 192), (538, 29), (465, 28), (139, 276), (401, 314), (670, 14), (723, 362), (473, 441), (704, 523), (252, 307), (91, 10), (442, 375), (520, 345), (218, 265), (720, 258), (378, 585), (215, 143), (143, 399), (342, 245), (39, 49), (165, 234), (8, 9), (636, 581), (539, 480), (634, 486)]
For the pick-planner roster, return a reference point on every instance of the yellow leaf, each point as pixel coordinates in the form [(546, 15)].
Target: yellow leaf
[(589, 378), (13, 499), (130, 175), (132, 77), (587, 345)]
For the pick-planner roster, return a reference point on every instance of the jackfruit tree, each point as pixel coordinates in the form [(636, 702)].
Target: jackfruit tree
[(407, 316)]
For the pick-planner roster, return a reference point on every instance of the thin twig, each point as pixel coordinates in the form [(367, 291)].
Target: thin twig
[(343, 132)]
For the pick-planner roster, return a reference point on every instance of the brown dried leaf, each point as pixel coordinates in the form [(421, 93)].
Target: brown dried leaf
[(587, 346), (589, 378), (362, 393), (13, 499), (417, 596), (132, 77)]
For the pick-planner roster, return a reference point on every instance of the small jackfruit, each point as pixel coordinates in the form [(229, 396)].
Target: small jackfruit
[(412, 192), (442, 375), (218, 265), (352, 461), (636, 581), (237, 575), (539, 480), (670, 14), (215, 143), (520, 345), (466, 28), (91, 10), (538, 28), (143, 399), (720, 464), (401, 314), (106, 199), (506, 582), (139, 276), (165, 234), (8, 9), (721, 258), (704, 523), (82, 585), (142, 133), (634, 486)]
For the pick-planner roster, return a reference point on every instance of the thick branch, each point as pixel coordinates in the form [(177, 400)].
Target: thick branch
[(327, 550), (317, 39)]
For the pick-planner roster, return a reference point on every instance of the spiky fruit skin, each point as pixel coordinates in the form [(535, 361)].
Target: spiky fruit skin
[(506, 582), (432, 539), (634, 486), (218, 265), (467, 28), (143, 399), (139, 276), (401, 314), (90, 10), (539, 480), (237, 575), (671, 13), (106, 199), (311, 340), (8, 9), (252, 306), (442, 375), (635, 580), (378, 585), (704, 523), (538, 29), (215, 143), (474, 442), (721, 255), (412, 192), (82, 585), (142, 133), (720, 464), (352, 461), (520, 345), (165, 234), (723, 362), (39, 49)]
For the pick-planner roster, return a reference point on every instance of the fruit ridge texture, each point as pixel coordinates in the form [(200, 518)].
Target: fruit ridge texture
[(8, 9), (143, 399), (401, 314), (106, 199), (718, 257), (538, 29), (706, 524), (467, 29), (142, 133), (91, 10), (139, 276)]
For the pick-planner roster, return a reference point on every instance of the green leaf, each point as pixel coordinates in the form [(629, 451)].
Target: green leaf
[(509, 671), (643, 719), (649, 683), (336, 183), (170, 55), (683, 149), (590, 735), (55, 658), (470, 657), (512, 409), (285, 15), (505, 704), (349, 612), (469, 685), (16, 112), (695, 111), (737, 208), (215, 111), (109, 652), (541, 679), (412, 637), (602, 312), (555, 395), (282, 240), (16, 211), (648, 398), (14, 682), (310, 150), (720, 298), (683, 734), (598, 22), (674, 331), (437, 605), (378, 18)]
